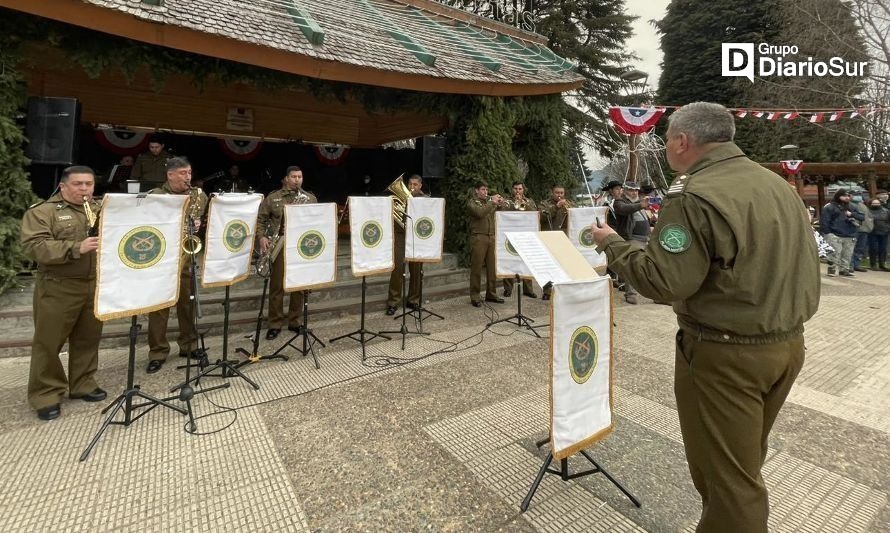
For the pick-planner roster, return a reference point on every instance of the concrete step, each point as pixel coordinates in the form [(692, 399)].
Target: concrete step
[(343, 298)]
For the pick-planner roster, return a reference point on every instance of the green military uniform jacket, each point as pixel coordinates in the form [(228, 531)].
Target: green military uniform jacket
[(196, 206), (481, 216), (732, 249), (51, 235), (271, 215), (554, 218), (150, 167)]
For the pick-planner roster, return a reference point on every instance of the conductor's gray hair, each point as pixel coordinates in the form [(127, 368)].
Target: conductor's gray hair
[(703, 122)]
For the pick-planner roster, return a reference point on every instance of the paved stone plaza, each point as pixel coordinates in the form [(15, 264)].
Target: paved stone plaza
[(441, 436)]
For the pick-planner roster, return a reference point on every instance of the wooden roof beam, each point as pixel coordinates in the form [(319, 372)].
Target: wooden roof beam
[(417, 49), (310, 28)]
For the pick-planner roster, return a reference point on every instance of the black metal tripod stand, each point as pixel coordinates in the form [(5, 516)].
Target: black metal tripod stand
[(227, 369), (521, 320), (253, 356), (403, 331), (186, 392), (124, 402), (418, 311), (563, 473), (361, 335), (309, 338)]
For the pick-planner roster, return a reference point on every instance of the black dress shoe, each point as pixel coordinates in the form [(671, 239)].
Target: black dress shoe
[(390, 310), (495, 299), (96, 396), (49, 413), (530, 294), (476, 303), (508, 292), (295, 329), (860, 269), (153, 366), (272, 333), (545, 297), (412, 305), (194, 354)]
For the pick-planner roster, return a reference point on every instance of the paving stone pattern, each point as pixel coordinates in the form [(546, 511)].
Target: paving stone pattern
[(442, 436)]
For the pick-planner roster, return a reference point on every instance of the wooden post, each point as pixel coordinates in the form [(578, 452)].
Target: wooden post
[(633, 142), (820, 188), (798, 184), (872, 185)]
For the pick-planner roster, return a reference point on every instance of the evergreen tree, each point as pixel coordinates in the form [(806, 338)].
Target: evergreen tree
[(692, 32), (821, 29)]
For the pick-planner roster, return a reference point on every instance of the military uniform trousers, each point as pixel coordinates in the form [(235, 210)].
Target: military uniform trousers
[(63, 311), (728, 397), (277, 319), (395, 278), (158, 345), (482, 254)]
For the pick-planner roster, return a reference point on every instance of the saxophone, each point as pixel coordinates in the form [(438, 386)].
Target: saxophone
[(276, 242), (191, 243), (92, 218)]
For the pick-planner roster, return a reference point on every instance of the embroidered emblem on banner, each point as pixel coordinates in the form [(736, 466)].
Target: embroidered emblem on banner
[(310, 244), (586, 238), (674, 238), (371, 233), (142, 247), (510, 248), (583, 354), (423, 228), (235, 235)]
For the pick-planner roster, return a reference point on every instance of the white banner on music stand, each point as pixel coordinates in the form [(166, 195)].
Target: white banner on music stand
[(580, 365), (231, 227), (426, 216), (507, 260), (310, 246), (139, 255), (370, 226), (580, 220)]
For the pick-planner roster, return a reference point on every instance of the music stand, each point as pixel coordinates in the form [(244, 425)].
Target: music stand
[(309, 338), (418, 311), (563, 473), (361, 335), (254, 356), (521, 320), (227, 368), (403, 331), (124, 401)]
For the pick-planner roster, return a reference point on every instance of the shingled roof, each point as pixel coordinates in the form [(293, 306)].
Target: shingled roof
[(410, 44)]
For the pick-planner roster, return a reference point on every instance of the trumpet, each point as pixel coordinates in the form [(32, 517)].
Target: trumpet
[(191, 243), (521, 204), (92, 218), (505, 202)]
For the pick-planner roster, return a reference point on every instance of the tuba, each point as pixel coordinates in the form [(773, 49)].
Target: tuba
[(400, 195), (191, 243)]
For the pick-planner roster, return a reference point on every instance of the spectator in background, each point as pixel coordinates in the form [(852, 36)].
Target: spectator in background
[(633, 224), (862, 233), (877, 239), (839, 224)]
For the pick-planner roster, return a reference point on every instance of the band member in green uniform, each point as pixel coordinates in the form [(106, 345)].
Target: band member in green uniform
[(415, 184), (734, 252), (480, 209), (55, 236), (179, 179), (520, 202), (270, 222)]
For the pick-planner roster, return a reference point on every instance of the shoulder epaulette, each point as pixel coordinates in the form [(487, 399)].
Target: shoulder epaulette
[(32, 206), (678, 186)]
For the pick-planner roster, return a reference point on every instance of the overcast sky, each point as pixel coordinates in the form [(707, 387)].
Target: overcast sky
[(645, 43)]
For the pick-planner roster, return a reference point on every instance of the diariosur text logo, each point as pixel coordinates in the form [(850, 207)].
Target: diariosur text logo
[(738, 59)]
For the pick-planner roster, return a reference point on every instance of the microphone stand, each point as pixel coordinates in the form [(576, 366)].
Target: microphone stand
[(186, 392)]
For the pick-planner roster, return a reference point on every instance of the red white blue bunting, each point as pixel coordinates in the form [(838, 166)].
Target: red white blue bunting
[(241, 149), (635, 120), (122, 142), (331, 155)]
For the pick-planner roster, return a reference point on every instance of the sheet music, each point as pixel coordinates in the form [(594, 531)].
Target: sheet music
[(537, 257)]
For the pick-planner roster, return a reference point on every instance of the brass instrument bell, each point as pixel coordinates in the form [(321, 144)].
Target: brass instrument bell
[(400, 195)]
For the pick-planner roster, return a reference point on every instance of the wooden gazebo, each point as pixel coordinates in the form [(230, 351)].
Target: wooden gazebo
[(824, 173)]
